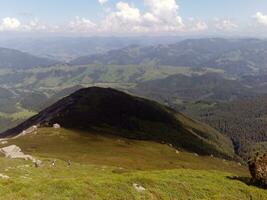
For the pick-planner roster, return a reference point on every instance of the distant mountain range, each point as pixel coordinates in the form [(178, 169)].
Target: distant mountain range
[(68, 48), (210, 86), (235, 56), (14, 59)]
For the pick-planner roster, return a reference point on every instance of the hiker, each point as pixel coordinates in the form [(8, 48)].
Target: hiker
[(69, 163), (36, 164), (53, 163)]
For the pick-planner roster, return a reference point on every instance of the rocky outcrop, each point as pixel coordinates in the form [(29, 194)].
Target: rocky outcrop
[(14, 152), (32, 129), (258, 170)]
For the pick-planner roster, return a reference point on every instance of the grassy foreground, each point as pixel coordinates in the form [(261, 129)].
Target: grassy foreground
[(106, 168), (95, 182)]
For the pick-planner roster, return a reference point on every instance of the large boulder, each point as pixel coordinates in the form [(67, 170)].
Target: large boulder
[(14, 152), (258, 170)]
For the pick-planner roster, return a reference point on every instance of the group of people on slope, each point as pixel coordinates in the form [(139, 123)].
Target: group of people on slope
[(38, 163)]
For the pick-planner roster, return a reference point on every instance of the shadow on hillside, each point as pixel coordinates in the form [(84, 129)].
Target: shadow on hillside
[(246, 180)]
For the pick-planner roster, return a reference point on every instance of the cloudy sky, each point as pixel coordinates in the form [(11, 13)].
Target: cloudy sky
[(135, 17)]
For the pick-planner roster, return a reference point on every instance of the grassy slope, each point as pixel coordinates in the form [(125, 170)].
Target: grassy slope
[(211, 140), (110, 150), (107, 167), (94, 182), (121, 114)]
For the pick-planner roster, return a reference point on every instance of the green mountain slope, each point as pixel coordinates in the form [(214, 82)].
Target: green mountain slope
[(116, 113), (91, 147), (204, 87), (107, 167), (115, 142)]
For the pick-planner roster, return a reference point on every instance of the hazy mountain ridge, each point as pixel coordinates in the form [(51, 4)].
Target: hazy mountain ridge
[(237, 56), (211, 86), (68, 48), (14, 59)]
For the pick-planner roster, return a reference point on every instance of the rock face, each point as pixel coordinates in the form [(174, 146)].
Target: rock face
[(14, 152), (258, 170)]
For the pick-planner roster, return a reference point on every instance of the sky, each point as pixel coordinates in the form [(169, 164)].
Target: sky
[(135, 17)]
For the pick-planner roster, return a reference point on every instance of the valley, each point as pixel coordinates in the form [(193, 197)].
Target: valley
[(172, 119), (185, 89), (133, 100)]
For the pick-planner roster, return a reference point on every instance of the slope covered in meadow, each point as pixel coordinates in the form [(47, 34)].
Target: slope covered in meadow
[(116, 146), (116, 113), (109, 167)]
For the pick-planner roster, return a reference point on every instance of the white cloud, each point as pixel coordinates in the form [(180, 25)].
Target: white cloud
[(150, 18), (163, 15), (126, 13), (35, 25), (195, 25), (81, 24), (199, 26), (225, 25), (155, 17), (102, 2), (159, 17), (124, 19), (9, 24), (166, 11), (261, 18), (13, 24)]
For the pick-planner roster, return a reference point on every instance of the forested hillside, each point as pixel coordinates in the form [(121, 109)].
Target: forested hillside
[(244, 121)]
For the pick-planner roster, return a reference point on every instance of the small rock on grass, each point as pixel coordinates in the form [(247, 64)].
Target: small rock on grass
[(139, 188), (4, 176)]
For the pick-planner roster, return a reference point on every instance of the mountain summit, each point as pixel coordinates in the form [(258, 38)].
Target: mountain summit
[(113, 112)]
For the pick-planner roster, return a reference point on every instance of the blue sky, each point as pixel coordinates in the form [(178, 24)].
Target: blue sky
[(61, 10), (135, 16), (51, 10), (239, 9)]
